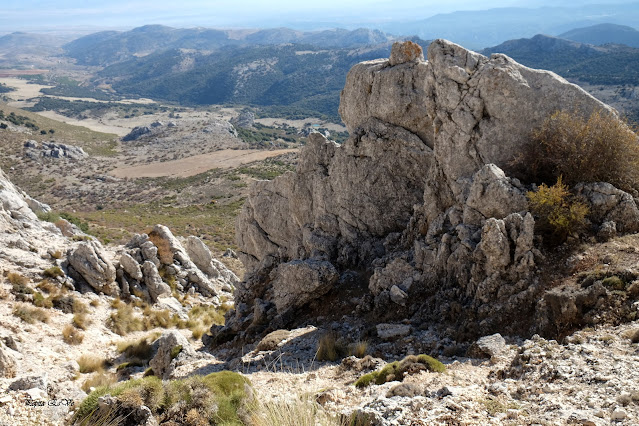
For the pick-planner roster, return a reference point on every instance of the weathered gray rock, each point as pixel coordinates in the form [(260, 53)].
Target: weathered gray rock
[(245, 120), (297, 283), (610, 204), (203, 259), (90, 261), (131, 267), (154, 284), (30, 382), (392, 331), (173, 348), (487, 347), (136, 133)]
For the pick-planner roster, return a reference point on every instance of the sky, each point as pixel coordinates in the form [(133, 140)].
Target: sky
[(41, 15)]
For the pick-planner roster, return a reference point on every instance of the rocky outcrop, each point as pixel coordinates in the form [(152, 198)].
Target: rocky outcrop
[(136, 133), (245, 120), (191, 266), (416, 204), (53, 150), (91, 262)]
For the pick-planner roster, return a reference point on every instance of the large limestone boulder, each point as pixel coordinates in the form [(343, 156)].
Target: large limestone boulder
[(89, 259)]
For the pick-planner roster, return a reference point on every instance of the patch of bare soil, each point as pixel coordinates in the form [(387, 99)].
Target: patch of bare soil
[(191, 166)]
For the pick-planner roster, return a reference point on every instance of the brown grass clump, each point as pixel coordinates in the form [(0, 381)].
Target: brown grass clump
[(48, 286), (17, 279), (140, 349), (358, 349), (600, 148), (72, 335), (91, 363), (124, 320), (329, 348), (164, 249), (81, 321), (30, 314), (99, 380)]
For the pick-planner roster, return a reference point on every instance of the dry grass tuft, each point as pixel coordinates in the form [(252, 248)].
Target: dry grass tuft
[(17, 279), (164, 249), (30, 314), (91, 363), (72, 335)]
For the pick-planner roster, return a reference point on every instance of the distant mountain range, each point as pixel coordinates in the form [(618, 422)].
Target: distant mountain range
[(482, 28), (604, 34), (109, 47), (607, 64)]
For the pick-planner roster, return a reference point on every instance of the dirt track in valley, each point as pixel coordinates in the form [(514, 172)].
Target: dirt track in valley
[(191, 166)]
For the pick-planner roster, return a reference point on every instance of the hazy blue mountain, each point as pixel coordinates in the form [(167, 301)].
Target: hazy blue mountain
[(28, 43), (478, 29), (604, 34)]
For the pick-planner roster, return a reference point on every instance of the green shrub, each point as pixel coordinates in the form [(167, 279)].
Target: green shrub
[(212, 399), (600, 148), (398, 369), (557, 213), (614, 282)]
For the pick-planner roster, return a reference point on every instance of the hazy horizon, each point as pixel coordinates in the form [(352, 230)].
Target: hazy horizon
[(81, 16)]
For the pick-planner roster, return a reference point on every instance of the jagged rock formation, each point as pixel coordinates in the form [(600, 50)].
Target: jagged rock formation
[(53, 150), (193, 267), (415, 207)]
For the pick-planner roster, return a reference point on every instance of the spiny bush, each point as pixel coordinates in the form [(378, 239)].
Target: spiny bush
[(30, 314), (72, 335), (213, 399), (558, 213), (600, 148), (398, 369)]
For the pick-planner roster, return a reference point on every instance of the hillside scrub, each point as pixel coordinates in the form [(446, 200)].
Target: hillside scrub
[(218, 398), (558, 214), (600, 148), (398, 369)]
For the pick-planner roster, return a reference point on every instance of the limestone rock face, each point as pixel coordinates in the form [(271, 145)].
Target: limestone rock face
[(90, 261), (417, 203), (154, 284)]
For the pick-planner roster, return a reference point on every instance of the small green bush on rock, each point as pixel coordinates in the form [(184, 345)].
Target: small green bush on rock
[(398, 369)]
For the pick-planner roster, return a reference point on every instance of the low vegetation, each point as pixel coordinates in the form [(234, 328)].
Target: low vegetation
[(398, 369), (558, 214), (30, 314), (218, 398), (71, 335), (91, 363), (599, 148)]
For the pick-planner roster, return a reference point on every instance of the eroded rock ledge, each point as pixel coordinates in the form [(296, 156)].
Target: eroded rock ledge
[(415, 209)]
